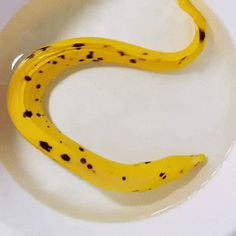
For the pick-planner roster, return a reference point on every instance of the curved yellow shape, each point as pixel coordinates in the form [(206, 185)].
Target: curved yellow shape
[(33, 75)]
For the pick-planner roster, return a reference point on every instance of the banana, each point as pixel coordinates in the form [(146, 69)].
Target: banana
[(32, 76)]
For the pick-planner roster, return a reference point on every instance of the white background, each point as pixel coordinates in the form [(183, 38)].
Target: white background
[(211, 212)]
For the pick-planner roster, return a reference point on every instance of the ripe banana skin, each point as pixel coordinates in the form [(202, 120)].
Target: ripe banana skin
[(32, 76)]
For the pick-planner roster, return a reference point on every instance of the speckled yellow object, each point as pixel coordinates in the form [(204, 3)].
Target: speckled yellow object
[(33, 75)]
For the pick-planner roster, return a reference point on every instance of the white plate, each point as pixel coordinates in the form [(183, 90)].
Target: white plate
[(123, 114)]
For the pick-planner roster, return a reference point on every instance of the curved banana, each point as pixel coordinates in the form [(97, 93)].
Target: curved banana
[(33, 75)]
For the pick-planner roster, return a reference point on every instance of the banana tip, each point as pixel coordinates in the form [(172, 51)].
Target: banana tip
[(199, 159)]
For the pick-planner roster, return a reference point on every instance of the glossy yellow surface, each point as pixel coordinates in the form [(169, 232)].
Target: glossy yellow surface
[(31, 78)]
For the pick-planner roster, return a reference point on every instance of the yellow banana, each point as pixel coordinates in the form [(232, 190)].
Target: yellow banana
[(32, 76)]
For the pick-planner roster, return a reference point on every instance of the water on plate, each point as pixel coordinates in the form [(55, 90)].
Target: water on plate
[(123, 114)]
